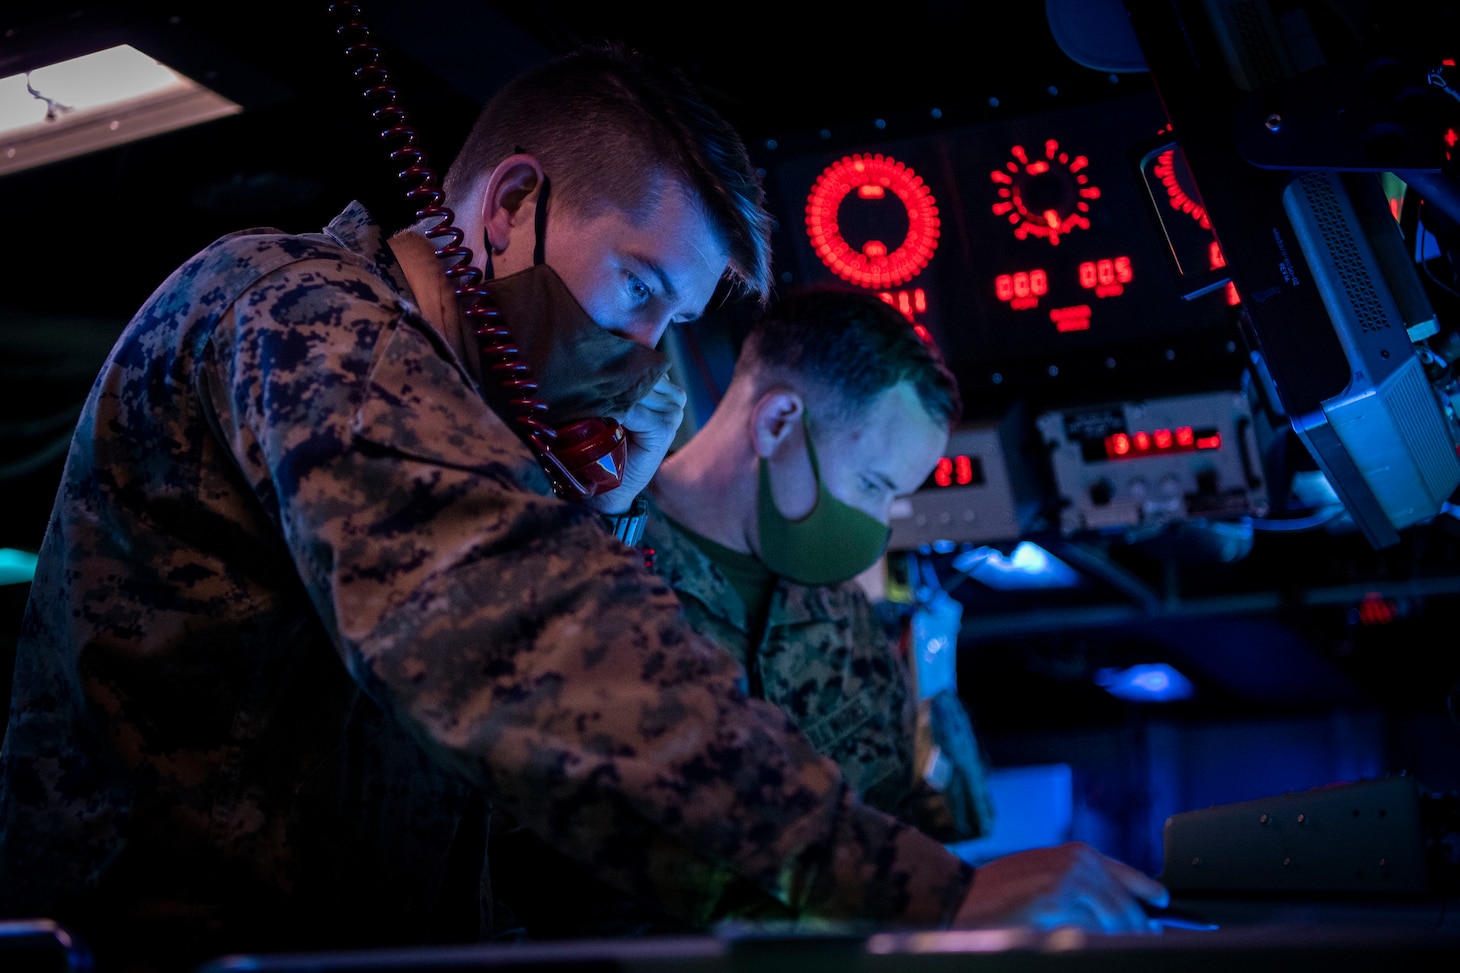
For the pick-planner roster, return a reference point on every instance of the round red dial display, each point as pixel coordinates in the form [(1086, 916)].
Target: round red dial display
[(874, 264), (1044, 196)]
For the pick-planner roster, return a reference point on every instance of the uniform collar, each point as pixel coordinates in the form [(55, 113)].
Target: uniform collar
[(689, 571), (355, 230)]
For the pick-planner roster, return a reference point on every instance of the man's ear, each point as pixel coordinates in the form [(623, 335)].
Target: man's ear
[(775, 418), (505, 201)]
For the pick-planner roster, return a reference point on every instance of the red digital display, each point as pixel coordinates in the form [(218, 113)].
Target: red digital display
[(1160, 442), (1022, 290), (874, 264), (1107, 278), (910, 302), (957, 471)]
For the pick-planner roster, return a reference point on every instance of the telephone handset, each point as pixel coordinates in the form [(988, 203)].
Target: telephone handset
[(582, 459)]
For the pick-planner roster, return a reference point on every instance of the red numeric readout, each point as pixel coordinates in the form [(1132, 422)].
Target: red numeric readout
[(910, 302), (1022, 290), (1107, 278), (1160, 442), (954, 471)]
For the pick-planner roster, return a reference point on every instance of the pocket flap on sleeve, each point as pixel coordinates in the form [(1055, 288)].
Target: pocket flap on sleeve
[(418, 402)]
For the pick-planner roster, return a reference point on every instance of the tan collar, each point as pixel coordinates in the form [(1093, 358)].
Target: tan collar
[(425, 273)]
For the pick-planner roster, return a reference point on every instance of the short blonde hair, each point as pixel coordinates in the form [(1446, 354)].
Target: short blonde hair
[(613, 128)]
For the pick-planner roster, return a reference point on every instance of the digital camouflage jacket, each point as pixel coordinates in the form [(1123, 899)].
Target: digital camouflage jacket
[(828, 661), (307, 624)]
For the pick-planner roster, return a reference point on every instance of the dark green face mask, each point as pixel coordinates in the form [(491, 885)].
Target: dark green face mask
[(833, 543)]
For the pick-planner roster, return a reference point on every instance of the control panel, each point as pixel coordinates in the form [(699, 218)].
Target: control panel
[(984, 490), (1151, 462)]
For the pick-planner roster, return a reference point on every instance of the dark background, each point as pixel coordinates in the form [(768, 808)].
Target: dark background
[(1296, 685)]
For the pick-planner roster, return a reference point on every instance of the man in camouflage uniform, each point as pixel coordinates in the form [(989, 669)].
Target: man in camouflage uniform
[(882, 398), (819, 651), (309, 623)]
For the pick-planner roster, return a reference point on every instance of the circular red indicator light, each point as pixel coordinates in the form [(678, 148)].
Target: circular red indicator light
[(872, 177), (1044, 197)]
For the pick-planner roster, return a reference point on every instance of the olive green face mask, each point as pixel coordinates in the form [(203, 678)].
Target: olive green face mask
[(833, 543)]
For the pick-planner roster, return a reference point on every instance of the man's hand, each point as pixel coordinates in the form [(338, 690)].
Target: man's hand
[(1064, 885), (651, 424)]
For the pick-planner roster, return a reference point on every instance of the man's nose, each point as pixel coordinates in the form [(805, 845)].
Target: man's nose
[(646, 332)]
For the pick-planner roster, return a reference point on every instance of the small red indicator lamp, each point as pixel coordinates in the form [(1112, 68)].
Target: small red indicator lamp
[(1375, 609), (872, 177)]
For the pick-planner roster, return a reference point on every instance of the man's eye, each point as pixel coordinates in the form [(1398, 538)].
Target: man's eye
[(637, 289)]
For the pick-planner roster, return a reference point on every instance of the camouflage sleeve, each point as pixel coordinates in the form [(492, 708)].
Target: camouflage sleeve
[(526, 648)]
